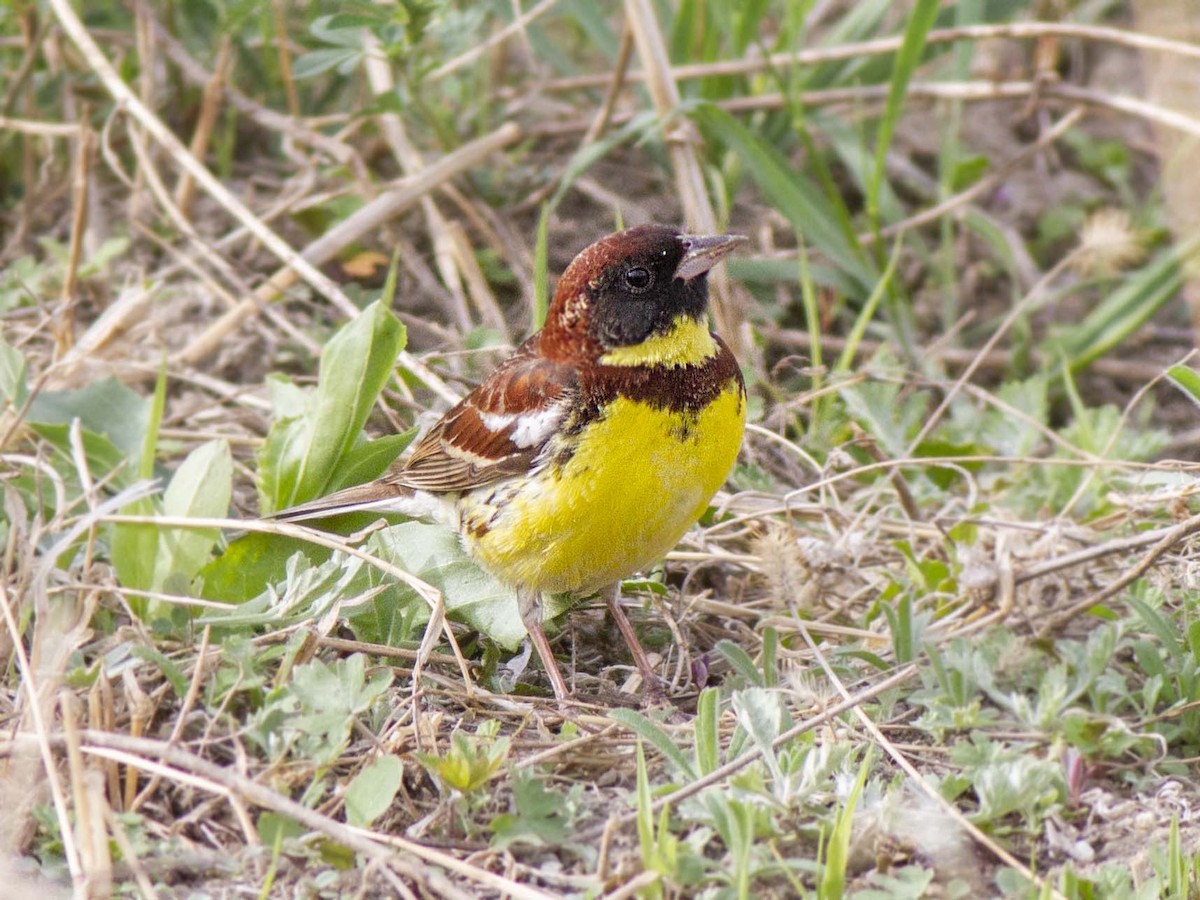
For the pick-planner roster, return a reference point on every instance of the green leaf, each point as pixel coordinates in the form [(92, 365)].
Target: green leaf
[(541, 273), (889, 419), (837, 857), (200, 489), (435, 554), (172, 672), (654, 735), (540, 817), (707, 730), (102, 455), (741, 662), (135, 551), (367, 460), (322, 702), (471, 760), (301, 455), (317, 62), (135, 547), (1187, 380), (13, 386), (273, 828), (966, 171), (251, 563), (105, 407), (645, 814), (371, 792), (158, 403), (759, 713)]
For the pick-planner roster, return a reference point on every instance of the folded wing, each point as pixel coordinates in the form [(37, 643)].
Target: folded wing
[(497, 431)]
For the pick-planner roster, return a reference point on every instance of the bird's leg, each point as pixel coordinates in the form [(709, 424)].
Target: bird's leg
[(653, 689), (530, 604)]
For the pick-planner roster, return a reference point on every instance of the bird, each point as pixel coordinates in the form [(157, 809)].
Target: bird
[(588, 452)]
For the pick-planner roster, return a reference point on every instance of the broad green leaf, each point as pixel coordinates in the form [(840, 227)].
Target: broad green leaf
[(135, 547), (372, 790), (135, 551), (302, 454), (105, 407), (273, 828), (740, 661), (315, 712), (317, 62), (434, 554), (288, 400), (13, 386), (541, 815), (966, 171), (201, 488), (367, 460), (102, 455), (355, 366), (252, 563), (889, 418)]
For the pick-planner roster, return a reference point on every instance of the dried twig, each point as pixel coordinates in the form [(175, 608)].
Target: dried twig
[(1170, 538), (812, 56), (371, 216), (210, 106)]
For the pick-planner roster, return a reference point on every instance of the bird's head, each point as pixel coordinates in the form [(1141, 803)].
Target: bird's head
[(640, 285)]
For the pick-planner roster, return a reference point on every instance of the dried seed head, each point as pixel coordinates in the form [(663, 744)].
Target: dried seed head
[(783, 569), (1108, 243)]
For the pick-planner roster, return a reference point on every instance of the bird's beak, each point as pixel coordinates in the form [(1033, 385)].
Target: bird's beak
[(701, 252)]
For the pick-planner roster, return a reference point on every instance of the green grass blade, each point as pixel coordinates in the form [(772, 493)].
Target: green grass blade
[(867, 313), (541, 273), (804, 206), (837, 852), (1126, 309), (652, 734), (707, 731), (919, 22)]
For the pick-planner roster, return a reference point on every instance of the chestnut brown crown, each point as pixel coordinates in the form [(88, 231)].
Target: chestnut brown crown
[(630, 286)]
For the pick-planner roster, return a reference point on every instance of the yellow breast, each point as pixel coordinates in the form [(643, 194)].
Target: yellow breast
[(638, 478)]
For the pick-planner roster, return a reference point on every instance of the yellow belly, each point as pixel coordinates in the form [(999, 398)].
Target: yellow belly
[(640, 477)]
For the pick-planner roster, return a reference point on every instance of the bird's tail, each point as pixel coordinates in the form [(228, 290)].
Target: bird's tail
[(374, 496)]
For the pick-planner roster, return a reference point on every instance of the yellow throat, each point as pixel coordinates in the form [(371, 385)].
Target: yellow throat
[(687, 343)]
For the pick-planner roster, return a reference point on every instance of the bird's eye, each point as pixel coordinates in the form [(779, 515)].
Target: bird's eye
[(639, 279)]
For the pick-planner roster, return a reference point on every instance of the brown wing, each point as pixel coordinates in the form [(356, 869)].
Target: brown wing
[(498, 430)]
